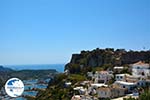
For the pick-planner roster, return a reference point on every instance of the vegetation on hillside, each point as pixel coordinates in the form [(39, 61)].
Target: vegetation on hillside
[(57, 90), (105, 58), (95, 60)]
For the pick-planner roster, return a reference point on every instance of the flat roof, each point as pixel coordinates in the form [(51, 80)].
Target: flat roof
[(125, 83), (99, 85), (118, 67)]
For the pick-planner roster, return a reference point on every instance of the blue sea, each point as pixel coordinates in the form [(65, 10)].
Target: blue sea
[(58, 67), (32, 83)]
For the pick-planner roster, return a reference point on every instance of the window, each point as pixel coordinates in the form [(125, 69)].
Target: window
[(143, 73), (118, 92), (142, 84)]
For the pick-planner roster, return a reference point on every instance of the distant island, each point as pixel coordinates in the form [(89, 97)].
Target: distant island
[(6, 73), (90, 73)]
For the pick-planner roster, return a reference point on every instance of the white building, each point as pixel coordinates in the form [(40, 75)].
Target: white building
[(126, 78), (81, 90), (78, 88), (141, 69), (98, 85), (110, 92), (102, 76), (104, 92), (68, 84), (141, 83), (127, 85), (120, 77), (118, 69)]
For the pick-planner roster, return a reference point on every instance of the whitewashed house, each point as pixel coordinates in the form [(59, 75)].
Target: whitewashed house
[(97, 85), (102, 76), (118, 69), (120, 77), (131, 79), (104, 92), (141, 83), (67, 84), (81, 90), (126, 78), (127, 85), (141, 69), (110, 92)]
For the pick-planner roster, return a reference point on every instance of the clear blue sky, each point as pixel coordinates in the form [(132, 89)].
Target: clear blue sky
[(49, 31)]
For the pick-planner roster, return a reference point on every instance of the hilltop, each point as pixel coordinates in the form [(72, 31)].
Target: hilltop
[(105, 58)]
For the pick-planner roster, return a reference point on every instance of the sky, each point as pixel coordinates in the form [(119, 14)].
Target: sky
[(50, 31)]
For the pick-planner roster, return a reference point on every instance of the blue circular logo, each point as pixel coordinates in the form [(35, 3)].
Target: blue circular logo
[(14, 87)]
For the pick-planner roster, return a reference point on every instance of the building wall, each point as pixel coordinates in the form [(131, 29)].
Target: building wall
[(141, 69), (104, 93), (117, 92), (119, 77), (136, 71), (110, 92), (101, 77)]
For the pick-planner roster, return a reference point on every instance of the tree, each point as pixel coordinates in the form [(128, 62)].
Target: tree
[(145, 95)]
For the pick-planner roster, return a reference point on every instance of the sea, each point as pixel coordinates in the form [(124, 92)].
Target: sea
[(33, 83), (57, 67)]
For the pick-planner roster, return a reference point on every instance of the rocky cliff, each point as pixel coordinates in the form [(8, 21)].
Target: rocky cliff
[(108, 56)]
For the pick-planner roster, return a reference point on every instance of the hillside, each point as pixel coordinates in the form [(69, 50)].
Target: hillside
[(86, 61), (4, 75), (105, 57)]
